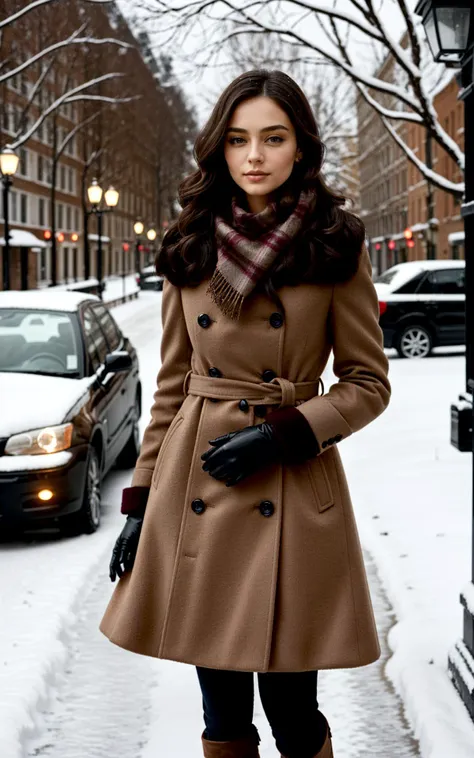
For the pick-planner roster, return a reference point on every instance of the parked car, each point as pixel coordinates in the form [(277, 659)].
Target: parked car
[(71, 403), (422, 306), (148, 279)]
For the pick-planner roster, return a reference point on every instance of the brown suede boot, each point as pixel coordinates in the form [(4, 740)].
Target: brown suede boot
[(326, 750), (245, 747)]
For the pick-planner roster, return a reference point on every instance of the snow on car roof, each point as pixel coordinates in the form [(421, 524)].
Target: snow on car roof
[(44, 299)]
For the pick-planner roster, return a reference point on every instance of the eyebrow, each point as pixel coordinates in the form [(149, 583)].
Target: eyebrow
[(265, 129)]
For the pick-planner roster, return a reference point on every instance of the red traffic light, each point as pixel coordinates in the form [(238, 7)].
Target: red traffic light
[(378, 246), (140, 248), (410, 243), (125, 247), (47, 234), (60, 237), (392, 245)]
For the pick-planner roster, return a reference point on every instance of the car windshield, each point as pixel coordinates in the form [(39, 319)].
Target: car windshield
[(397, 275), (38, 342)]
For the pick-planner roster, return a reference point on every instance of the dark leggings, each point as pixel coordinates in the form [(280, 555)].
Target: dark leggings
[(289, 701)]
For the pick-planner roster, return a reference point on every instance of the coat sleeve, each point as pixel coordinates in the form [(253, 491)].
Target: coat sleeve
[(363, 390), (176, 350)]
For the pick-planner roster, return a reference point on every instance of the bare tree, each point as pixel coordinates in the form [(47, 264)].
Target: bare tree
[(344, 38)]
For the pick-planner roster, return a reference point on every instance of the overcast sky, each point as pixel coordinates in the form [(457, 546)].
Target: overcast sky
[(208, 84)]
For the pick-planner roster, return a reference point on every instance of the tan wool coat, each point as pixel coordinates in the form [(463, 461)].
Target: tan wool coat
[(266, 575)]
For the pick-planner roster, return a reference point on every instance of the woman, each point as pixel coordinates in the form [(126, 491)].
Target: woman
[(248, 555)]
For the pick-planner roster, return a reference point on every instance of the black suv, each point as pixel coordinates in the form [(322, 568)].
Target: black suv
[(422, 306)]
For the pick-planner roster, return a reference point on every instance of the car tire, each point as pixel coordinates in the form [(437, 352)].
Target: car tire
[(87, 519), (414, 341), (128, 456)]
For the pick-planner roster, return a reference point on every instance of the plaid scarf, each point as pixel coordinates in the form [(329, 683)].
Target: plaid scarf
[(248, 248)]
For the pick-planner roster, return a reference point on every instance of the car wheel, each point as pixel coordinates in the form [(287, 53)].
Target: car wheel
[(414, 341), (128, 456), (87, 519)]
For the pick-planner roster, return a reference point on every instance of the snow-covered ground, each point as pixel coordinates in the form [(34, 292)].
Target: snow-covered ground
[(412, 495)]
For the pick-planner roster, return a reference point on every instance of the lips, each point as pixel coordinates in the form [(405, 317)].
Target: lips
[(255, 173)]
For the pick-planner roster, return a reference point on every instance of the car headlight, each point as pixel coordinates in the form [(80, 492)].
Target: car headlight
[(50, 439)]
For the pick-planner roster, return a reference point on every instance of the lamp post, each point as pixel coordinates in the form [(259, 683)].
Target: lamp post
[(8, 165), (450, 32), (138, 228), (151, 236), (111, 197)]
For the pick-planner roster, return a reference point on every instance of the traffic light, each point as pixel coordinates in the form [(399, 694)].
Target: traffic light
[(74, 237), (47, 234), (60, 237), (392, 245), (408, 234)]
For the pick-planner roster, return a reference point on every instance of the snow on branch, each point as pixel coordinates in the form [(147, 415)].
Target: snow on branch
[(37, 4), (58, 102), (72, 40)]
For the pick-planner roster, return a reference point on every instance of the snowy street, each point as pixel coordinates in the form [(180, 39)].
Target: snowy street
[(66, 691)]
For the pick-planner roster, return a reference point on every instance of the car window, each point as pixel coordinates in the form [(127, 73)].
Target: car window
[(449, 281), (37, 341), (95, 339), (410, 287), (108, 325)]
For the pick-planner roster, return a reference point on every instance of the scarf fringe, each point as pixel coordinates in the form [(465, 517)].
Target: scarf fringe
[(225, 296)]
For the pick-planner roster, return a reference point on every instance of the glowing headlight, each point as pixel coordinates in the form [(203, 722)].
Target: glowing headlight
[(51, 439)]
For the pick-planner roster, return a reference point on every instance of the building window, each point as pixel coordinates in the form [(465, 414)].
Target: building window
[(60, 216), (24, 208), (23, 162), (13, 206), (76, 219), (40, 168), (68, 218), (41, 211), (71, 180), (62, 178)]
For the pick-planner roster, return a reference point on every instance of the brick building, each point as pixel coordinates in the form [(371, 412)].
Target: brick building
[(394, 194), (125, 145)]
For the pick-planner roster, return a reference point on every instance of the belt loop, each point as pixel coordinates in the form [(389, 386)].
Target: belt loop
[(288, 391), (186, 382)]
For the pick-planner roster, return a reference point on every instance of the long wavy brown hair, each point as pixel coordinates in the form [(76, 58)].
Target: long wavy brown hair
[(326, 250)]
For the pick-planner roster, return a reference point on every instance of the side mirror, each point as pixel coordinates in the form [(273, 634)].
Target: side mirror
[(118, 361)]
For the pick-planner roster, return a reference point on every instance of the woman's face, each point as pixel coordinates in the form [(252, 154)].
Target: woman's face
[(260, 138)]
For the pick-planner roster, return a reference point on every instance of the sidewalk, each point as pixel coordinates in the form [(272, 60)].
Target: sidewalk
[(117, 290)]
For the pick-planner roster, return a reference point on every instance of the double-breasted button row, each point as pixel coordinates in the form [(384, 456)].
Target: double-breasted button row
[(243, 405), (266, 507), (268, 375), (276, 320), (332, 440)]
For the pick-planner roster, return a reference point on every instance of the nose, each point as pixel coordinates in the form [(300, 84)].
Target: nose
[(255, 152)]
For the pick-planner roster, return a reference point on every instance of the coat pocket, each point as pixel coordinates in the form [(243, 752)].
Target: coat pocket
[(320, 483), (164, 445)]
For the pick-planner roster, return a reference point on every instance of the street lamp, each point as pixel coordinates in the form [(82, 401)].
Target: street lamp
[(450, 32), (111, 196), (8, 165), (138, 228), (151, 236)]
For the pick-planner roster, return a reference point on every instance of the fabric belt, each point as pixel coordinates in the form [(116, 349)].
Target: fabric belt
[(279, 391)]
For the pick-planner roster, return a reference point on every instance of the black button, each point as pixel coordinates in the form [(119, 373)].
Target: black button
[(260, 410), (204, 320), (198, 506), (331, 441), (243, 405), (338, 437), (276, 320), (213, 371), (325, 443), (268, 375), (266, 508)]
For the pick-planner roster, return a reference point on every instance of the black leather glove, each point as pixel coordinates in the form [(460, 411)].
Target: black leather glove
[(125, 548), (241, 453)]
